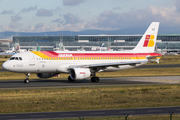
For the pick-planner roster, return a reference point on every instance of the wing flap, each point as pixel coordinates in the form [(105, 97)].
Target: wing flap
[(132, 63)]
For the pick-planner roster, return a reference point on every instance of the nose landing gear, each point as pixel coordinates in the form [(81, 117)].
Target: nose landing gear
[(27, 78)]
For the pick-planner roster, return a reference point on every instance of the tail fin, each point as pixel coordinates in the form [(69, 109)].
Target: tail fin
[(148, 41)]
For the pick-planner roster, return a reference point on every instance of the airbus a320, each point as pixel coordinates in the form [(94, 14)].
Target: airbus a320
[(82, 65)]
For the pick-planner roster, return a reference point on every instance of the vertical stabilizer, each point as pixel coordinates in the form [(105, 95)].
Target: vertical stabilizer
[(148, 41)]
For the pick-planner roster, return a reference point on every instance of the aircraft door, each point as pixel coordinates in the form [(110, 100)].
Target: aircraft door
[(31, 59), (137, 56)]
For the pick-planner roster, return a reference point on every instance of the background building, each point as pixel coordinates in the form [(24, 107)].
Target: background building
[(5, 44), (169, 43)]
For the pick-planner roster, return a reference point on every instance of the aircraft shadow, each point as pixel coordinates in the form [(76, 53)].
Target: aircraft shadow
[(88, 81)]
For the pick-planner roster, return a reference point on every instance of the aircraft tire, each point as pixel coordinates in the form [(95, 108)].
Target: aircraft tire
[(95, 79), (26, 81), (69, 78)]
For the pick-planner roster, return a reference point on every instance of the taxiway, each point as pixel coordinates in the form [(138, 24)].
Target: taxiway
[(104, 82)]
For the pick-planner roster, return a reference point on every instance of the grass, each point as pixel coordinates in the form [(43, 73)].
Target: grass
[(2, 59), (124, 73), (168, 59), (142, 72), (72, 99), (175, 59), (147, 117)]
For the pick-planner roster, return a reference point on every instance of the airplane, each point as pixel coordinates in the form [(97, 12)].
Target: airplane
[(82, 65)]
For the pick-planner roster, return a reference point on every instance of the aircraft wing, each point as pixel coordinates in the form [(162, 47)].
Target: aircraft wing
[(115, 64)]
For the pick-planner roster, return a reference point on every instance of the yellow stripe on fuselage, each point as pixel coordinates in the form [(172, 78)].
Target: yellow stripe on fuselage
[(40, 54)]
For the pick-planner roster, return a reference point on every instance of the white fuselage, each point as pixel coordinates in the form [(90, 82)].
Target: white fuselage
[(32, 63)]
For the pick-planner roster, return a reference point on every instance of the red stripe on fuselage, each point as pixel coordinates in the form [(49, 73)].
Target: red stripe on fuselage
[(50, 53), (145, 54), (54, 54)]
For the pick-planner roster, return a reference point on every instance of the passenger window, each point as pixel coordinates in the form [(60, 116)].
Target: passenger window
[(16, 58), (20, 58)]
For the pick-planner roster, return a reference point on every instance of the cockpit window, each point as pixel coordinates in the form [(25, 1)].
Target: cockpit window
[(15, 58), (12, 58)]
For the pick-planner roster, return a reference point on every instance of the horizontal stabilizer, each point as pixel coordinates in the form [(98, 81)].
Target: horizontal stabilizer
[(154, 58)]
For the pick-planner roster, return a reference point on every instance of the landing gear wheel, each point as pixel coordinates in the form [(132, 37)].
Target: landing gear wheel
[(26, 81), (69, 78), (95, 79), (27, 78)]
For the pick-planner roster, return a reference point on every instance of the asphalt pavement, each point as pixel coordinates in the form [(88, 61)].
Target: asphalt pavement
[(92, 113), (104, 82)]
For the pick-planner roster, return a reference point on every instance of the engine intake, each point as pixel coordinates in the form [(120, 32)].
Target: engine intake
[(79, 73)]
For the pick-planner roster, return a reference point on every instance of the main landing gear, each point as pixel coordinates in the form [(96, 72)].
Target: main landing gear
[(95, 79), (27, 78)]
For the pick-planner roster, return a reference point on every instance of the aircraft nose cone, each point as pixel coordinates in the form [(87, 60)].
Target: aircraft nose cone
[(5, 66)]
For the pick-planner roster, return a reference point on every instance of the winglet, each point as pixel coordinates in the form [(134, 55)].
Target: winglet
[(148, 41)]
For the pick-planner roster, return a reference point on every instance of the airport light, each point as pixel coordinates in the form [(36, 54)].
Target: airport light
[(61, 38), (81, 118), (171, 113), (126, 116), (61, 41)]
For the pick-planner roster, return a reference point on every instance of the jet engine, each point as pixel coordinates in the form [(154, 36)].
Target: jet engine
[(79, 73), (46, 75)]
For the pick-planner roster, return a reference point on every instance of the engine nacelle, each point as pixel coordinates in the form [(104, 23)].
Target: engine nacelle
[(79, 73), (46, 75)]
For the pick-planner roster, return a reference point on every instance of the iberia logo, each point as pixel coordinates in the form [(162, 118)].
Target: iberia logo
[(149, 41)]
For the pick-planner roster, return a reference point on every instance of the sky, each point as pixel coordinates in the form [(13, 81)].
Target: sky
[(77, 15)]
